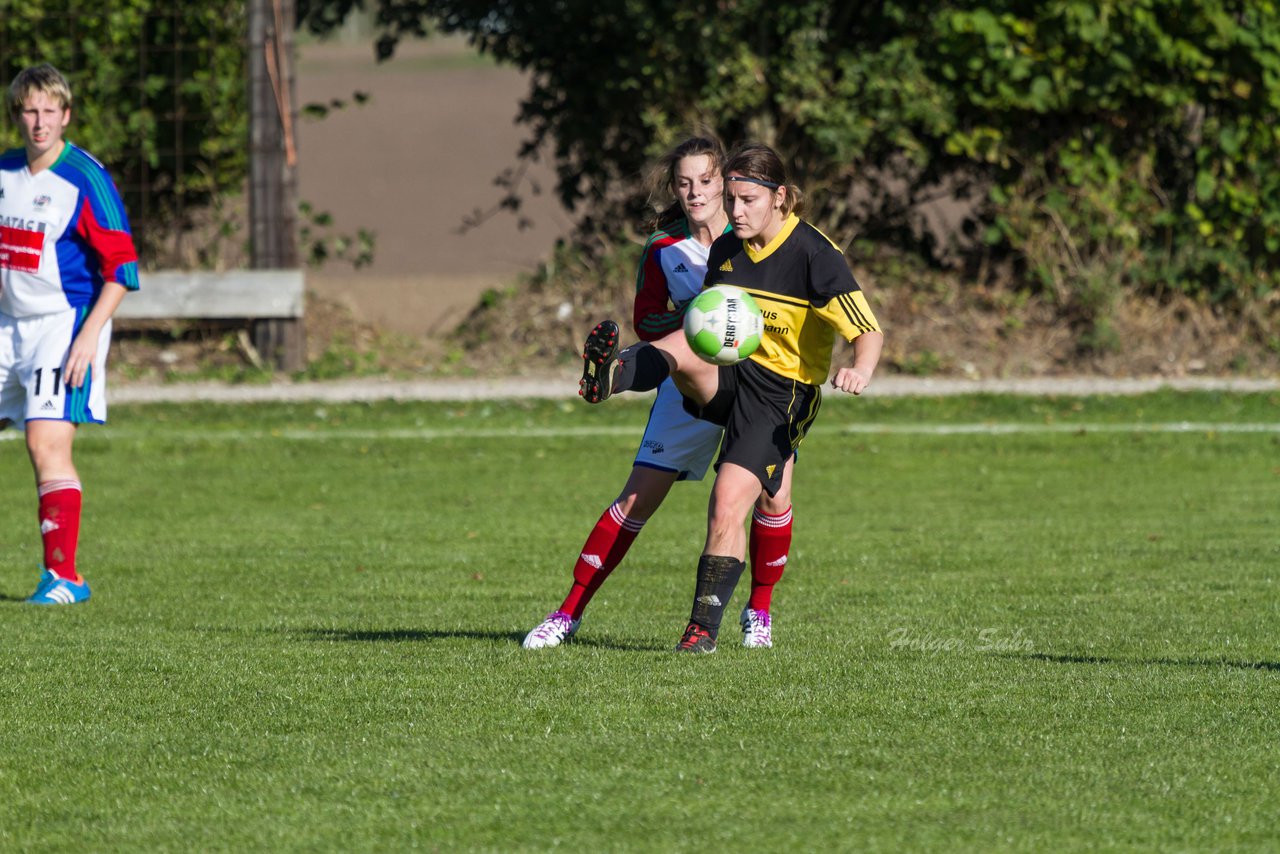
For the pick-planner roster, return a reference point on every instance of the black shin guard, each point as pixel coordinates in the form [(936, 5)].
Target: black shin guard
[(641, 367), (717, 577)]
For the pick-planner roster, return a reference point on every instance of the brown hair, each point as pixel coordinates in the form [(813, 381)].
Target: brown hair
[(663, 175), (759, 161), (38, 78)]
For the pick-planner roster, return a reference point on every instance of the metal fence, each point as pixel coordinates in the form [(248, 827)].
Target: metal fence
[(160, 97)]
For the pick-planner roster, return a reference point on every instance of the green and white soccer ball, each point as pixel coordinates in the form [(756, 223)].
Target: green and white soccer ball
[(723, 325)]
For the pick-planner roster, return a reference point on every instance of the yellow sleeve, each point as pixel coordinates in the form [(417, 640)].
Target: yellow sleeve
[(849, 315)]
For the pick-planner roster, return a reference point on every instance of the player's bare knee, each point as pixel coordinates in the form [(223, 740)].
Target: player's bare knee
[(643, 506), (722, 521), (774, 505), (49, 448), (638, 506)]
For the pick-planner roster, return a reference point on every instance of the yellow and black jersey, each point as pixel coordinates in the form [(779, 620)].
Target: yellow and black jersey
[(807, 294)]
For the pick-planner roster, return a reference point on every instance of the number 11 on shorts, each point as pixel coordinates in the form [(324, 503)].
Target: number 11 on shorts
[(57, 381)]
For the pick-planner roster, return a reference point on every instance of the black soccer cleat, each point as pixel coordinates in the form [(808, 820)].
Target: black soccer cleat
[(599, 359), (696, 640)]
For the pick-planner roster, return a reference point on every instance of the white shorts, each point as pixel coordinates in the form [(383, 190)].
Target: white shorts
[(676, 441), (33, 354)]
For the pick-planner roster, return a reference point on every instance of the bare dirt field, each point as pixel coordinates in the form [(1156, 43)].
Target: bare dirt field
[(411, 164)]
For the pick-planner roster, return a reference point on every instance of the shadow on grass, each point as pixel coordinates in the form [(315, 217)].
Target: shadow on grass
[(5, 597), (1169, 662), (427, 635), (400, 635)]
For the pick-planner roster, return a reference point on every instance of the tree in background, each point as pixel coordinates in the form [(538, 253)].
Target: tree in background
[(160, 97), (1088, 144)]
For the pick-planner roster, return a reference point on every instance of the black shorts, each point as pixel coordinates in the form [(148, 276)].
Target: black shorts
[(765, 417)]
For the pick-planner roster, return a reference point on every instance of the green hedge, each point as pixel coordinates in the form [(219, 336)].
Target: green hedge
[(160, 96), (1107, 142)]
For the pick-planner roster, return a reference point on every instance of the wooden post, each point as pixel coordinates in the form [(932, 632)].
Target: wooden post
[(273, 174)]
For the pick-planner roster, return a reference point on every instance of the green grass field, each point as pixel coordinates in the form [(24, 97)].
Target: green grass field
[(1007, 624)]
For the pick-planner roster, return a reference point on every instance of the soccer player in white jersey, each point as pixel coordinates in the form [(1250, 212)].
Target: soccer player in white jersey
[(675, 446), (66, 261)]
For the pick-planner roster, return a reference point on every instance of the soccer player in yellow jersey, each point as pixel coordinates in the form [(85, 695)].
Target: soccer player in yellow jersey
[(766, 403)]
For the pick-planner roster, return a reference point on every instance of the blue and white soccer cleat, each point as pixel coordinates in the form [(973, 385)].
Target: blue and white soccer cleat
[(53, 590)]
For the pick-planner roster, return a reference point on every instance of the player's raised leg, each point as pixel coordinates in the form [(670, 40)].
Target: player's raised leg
[(643, 366)]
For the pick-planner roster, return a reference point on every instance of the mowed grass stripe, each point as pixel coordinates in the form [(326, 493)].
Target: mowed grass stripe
[(326, 434)]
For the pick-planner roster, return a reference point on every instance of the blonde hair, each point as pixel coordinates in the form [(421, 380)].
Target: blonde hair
[(663, 175), (38, 78)]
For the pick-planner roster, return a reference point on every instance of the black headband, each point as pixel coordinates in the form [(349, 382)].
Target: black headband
[(746, 180)]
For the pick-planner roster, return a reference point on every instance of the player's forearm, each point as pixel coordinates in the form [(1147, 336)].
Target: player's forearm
[(866, 352), (108, 301)]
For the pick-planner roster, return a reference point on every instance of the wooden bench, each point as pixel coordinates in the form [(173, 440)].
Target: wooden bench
[(273, 300)]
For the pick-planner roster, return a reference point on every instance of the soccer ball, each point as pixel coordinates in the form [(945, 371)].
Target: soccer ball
[(723, 325)]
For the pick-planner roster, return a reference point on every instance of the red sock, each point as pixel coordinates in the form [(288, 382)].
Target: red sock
[(605, 547), (770, 541), (60, 526)]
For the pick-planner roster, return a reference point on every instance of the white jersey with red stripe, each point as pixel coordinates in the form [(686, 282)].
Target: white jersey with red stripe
[(63, 233), (670, 274)]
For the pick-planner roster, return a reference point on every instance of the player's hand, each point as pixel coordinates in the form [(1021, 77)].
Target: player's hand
[(80, 358), (850, 380)]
